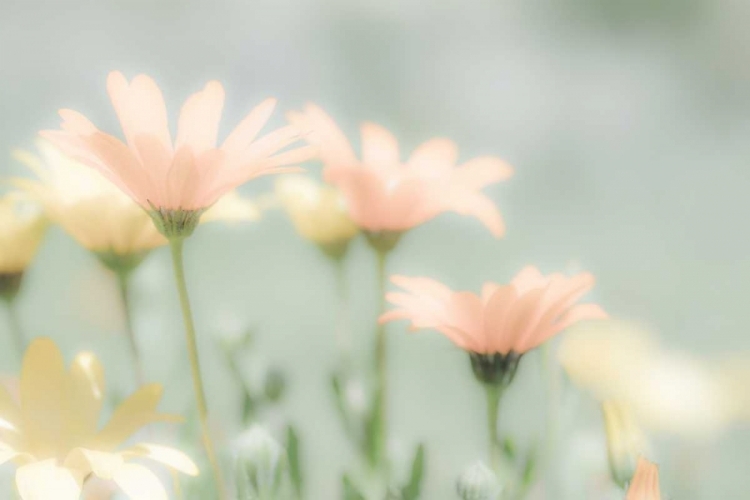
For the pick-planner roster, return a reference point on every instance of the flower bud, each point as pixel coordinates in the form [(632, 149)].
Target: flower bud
[(478, 482), (625, 441), (274, 385), (261, 464)]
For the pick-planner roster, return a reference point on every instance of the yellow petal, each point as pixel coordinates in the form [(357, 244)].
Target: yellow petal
[(43, 388), (137, 411), (10, 418), (139, 483), (46, 481), (102, 464), (84, 401), (170, 457)]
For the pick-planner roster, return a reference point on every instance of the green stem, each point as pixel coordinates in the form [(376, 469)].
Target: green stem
[(123, 283), (493, 393), (15, 328), (381, 371), (342, 329), (192, 346), (549, 372)]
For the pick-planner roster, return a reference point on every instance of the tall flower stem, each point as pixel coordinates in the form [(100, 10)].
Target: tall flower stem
[(176, 244), (16, 330), (123, 285), (550, 374), (493, 393), (342, 328), (380, 427)]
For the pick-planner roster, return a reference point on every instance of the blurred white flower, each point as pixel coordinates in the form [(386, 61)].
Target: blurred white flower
[(478, 482), (665, 391)]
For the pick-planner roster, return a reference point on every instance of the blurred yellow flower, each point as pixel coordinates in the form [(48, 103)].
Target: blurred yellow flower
[(52, 435), (626, 442), (21, 230), (665, 391), (88, 207), (317, 211)]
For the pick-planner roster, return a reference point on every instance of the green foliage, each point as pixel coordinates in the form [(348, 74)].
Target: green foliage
[(413, 488)]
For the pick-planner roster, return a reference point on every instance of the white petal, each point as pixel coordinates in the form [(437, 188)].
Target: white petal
[(139, 483), (170, 457), (46, 481)]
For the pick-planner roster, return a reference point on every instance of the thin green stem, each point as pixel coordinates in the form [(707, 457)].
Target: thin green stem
[(192, 346), (16, 330), (550, 374), (342, 328), (493, 393), (123, 284), (381, 370)]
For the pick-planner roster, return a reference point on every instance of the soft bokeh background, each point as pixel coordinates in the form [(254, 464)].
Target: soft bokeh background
[(627, 122)]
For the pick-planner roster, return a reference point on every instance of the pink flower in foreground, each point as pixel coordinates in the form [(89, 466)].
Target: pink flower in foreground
[(645, 483), (502, 323), (190, 173), (385, 194)]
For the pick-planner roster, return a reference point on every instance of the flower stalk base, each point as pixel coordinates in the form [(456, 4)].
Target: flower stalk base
[(175, 223), (10, 284), (495, 369)]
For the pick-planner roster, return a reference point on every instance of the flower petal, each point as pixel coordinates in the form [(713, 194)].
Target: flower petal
[(645, 483), (319, 129), (249, 128), (46, 481), (137, 411), (171, 457), (481, 172), (43, 391), (198, 126), (102, 464), (139, 483), (84, 401), (140, 108), (379, 146)]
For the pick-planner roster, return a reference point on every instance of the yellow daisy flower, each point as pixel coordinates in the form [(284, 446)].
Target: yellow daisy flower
[(21, 231), (317, 211), (51, 434)]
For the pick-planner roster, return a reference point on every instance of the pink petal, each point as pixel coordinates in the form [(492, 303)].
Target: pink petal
[(75, 123), (320, 129), (520, 316), (580, 312), (293, 156), (181, 182), (436, 157), (410, 203), (364, 194), (249, 128), (140, 108), (488, 290), (529, 277), (481, 172), (379, 147), (477, 205), (198, 126)]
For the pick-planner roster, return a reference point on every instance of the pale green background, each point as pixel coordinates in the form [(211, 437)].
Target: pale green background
[(628, 125)]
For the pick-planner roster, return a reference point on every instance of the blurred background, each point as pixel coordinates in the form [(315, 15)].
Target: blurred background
[(626, 121)]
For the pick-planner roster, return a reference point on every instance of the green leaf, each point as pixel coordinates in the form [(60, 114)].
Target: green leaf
[(295, 468), (350, 491), (413, 487), (351, 428), (509, 449)]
